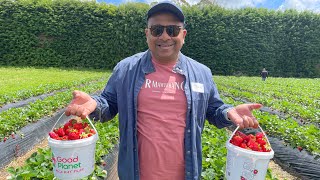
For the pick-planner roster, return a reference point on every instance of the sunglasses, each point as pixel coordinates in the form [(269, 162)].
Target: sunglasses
[(172, 30)]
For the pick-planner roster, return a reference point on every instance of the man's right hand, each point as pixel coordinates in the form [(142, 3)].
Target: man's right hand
[(81, 105)]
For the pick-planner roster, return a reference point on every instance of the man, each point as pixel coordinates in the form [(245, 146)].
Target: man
[(163, 99), (264, 74)]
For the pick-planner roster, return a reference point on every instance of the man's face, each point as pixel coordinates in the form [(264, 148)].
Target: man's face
[(165, 48)]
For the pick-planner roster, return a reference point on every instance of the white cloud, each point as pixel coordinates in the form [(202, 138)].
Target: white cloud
[(235, 4), (223, 3), (300, 5)]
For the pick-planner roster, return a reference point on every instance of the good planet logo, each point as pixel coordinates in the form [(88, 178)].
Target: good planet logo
[(67, 165)]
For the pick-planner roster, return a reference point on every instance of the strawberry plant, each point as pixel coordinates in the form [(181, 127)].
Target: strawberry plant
[(14, 119), (21, 83)]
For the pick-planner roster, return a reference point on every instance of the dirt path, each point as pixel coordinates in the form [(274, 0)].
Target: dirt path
[(277, 171), (18, 162)]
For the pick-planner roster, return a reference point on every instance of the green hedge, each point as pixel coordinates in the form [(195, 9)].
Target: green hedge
[(70, 33)]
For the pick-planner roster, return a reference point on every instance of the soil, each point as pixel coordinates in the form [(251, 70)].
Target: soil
[(277, 171)]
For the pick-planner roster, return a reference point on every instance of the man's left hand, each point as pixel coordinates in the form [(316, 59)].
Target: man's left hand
[(241, 115)]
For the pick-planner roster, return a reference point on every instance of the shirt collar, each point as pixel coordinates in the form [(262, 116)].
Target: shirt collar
[(147, 66)]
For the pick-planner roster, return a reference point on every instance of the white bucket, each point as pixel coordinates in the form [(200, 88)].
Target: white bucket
[(73, 159), (243, 164)]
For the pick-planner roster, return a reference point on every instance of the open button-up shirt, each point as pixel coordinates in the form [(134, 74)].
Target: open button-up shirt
[(120, 96)]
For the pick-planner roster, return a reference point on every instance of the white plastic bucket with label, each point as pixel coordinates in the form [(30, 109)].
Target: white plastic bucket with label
[(243, 164), (73, 159)]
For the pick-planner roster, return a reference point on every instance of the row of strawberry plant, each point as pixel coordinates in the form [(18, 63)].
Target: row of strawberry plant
[(14, 119), (25, 85), (297, 91), (287, 129), (304, 91), (40, 166), (305, 113)]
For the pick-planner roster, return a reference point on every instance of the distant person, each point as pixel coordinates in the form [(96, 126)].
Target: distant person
[(264, 74)]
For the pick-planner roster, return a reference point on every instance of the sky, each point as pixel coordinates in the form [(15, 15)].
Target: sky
[(300, 5)]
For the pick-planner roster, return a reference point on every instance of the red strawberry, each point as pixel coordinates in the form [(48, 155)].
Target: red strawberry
[(85, 125), (81, 131), (241, 134), (259, 135), (299, 148), (73, 136), (237, 140), (53, 135), (4, 139), (78, 126), (55, 130), (255, 171), (256, 147), (243, 145), (65, 137), (67, 125), (92, 131), (261, 141), (61, 132)]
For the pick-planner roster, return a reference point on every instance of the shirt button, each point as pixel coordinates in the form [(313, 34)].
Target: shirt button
[(188, 173), (188, 152), (134, 149), (189, 131)]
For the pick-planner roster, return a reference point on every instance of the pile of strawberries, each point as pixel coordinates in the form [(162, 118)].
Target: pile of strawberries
[(72, 130), (257, 142)]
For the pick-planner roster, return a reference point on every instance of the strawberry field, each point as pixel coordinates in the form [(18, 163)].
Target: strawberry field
[(30, 98)]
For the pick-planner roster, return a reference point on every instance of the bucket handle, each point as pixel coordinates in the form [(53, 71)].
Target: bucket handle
[(239, 127), (86, 117)]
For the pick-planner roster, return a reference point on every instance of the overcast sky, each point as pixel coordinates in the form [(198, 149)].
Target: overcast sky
[(312, 5)]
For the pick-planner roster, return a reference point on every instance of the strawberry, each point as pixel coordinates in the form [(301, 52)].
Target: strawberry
[(259, 135), (255, 171), (299, 148), (92, 131), (67, 125), (5, 139), (73, 136), (261, 141), (243, 145), (67, 131), (60, 132), (85, 125), (53, 135), (78, 126), (241, 134)]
